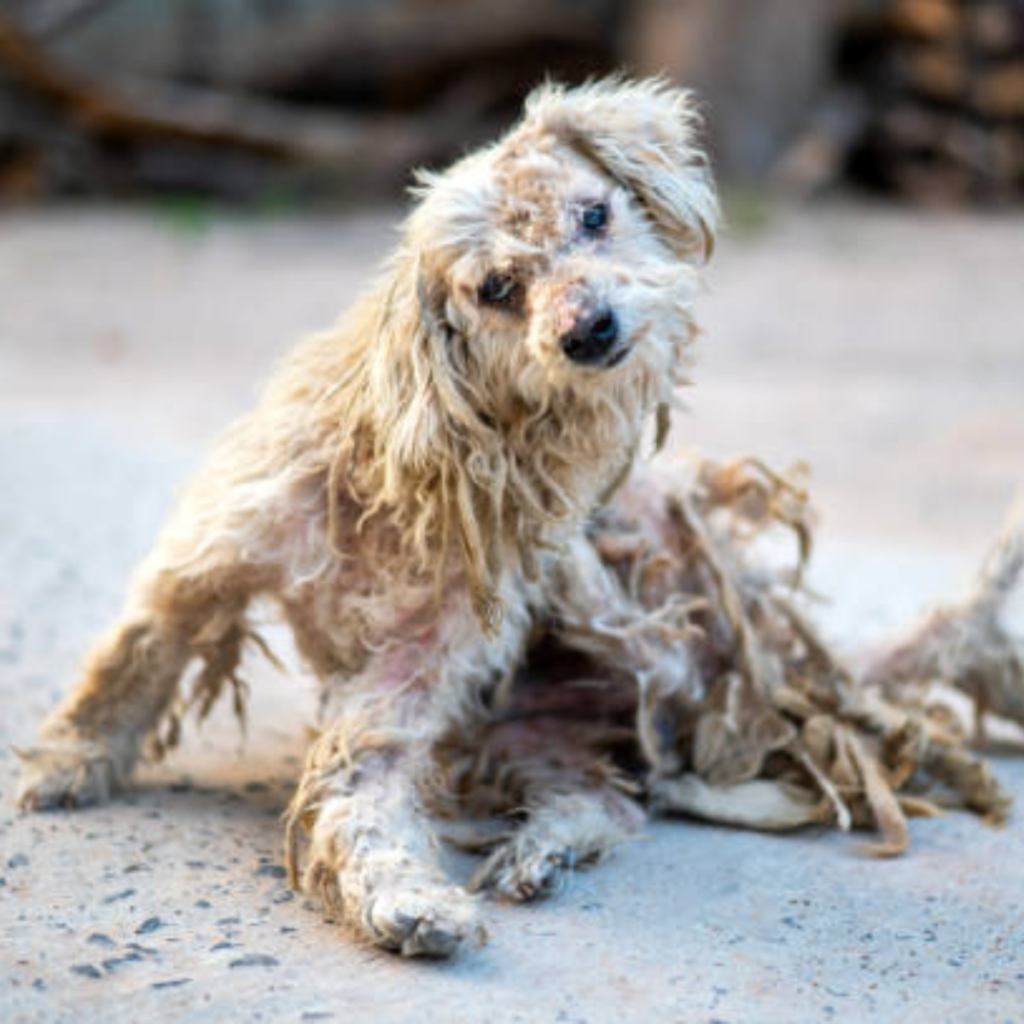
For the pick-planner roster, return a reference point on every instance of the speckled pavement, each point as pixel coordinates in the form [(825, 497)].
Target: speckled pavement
[(170, 903)]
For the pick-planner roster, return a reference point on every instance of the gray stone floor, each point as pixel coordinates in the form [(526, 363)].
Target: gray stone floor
[(888, 348)]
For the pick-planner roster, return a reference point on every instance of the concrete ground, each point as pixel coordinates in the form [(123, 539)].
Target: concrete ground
[(886, 348)]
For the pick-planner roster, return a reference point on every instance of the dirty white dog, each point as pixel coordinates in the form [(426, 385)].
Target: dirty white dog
[(412, 491)]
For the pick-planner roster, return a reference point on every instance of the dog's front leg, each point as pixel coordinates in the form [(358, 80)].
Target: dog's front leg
[(372, 854)]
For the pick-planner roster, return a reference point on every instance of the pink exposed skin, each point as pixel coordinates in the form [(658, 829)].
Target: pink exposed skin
[(575, 305)]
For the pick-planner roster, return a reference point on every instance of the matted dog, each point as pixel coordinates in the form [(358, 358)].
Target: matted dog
[(412, 491)]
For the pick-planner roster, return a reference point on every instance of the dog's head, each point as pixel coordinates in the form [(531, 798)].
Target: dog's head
[(536, 312), (565, 256)]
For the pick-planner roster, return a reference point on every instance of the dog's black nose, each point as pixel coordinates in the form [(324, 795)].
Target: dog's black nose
[(591, 337)]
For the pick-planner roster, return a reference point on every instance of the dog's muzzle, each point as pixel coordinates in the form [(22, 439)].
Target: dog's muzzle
[(591, 341)]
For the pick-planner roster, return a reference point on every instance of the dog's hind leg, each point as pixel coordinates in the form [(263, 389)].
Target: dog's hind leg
[(187, 603), (89, 744), (566, 829), (574, 812)]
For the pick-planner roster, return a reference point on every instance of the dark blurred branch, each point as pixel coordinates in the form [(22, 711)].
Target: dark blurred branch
[(58, 19), (392, 52), (172, 112), (943, 82)]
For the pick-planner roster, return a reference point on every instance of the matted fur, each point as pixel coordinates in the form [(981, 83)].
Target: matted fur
[(411, 490)]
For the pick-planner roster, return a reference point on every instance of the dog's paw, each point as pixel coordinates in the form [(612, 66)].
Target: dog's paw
[(417, 919), (64, 776), (524, 869)]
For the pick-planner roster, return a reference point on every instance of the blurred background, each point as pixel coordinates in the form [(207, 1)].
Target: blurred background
[(187, 186), (254, 100)]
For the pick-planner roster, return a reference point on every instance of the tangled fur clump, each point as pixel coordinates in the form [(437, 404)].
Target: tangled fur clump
[(775, 729)]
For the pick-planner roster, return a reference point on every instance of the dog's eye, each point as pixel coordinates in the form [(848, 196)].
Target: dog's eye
[(497, 289), (594, 218)]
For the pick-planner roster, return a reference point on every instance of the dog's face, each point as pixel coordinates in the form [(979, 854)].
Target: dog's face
[(565, 256)]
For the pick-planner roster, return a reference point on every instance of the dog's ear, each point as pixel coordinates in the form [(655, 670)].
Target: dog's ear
[(432, 303), (435, 458), (415, 376), (643, 135)]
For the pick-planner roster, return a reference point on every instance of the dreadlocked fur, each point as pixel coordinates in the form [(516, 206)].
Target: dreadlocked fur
[(430, 491), (412, 491)]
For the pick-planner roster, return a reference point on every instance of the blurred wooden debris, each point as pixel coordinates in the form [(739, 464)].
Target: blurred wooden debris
[(943, 82), (922, 98), (758, 69), (816, 161), (192, 114), (50, 19), (397, 55), (344, 97)]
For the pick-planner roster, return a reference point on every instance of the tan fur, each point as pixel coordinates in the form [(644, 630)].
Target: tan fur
[(411, 491)]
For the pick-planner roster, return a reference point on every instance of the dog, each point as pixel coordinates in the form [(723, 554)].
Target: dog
[(413, 491)]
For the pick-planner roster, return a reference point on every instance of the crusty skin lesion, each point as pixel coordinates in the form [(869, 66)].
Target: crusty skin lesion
[(411, 491)]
